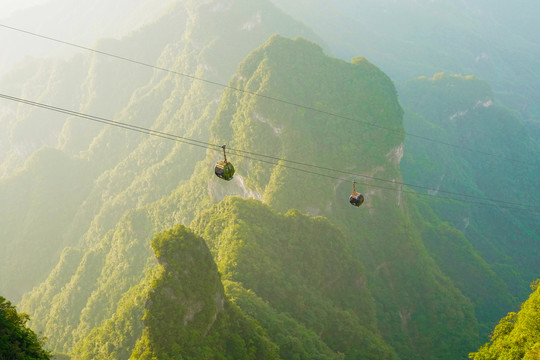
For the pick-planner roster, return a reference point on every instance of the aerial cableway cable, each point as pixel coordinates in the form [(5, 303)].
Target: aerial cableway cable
[(275, 99), (243, 153), (285, 163)]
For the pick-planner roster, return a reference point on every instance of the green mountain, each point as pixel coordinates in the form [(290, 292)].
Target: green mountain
[(125, 170), (186, 313), (302, 267), (415, 303), (401, 277), (516, 336), (461, 110), (409, 38), (180, 308), (66, 181)]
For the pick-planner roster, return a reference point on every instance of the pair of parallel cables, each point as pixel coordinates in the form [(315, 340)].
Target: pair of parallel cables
[(276, 161)]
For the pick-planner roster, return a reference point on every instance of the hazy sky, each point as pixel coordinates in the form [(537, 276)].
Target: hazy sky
[(77, 21), (7, 7)]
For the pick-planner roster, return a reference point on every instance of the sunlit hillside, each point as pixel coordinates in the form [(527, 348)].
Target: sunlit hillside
[(120, 242)]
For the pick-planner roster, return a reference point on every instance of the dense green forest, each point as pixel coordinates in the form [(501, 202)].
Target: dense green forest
[(178, 311), (517, 335), (468, 115), (17, 341), (122, 245)]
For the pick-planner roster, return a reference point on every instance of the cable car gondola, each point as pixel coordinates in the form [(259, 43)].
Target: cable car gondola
[(224, 169), (356, 199)]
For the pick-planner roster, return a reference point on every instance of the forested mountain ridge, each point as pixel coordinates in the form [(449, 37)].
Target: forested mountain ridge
[(470, 117), (186, 313), (402, 277), (462, 110), (108, 88), (293, 328), (302, 267), (410, 38), (404, 309), (391, 254), (32, 130)]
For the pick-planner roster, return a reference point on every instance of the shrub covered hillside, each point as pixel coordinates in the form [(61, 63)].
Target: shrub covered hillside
[(394, 299), (104, 171), (413, 297), (186, 313), (517, 336), (502, 239), (304, 270), (293, 290), (305, 275)]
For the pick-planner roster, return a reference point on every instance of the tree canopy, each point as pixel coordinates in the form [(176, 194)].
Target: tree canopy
[(17, 341), (517, 336)]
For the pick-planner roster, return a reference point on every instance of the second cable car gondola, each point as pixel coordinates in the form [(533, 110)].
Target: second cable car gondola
[(224, 169), (356, 198)]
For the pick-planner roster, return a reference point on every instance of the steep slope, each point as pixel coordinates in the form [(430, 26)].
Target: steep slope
[(186, 314), (53, 181), (302, 267), (416, 304), (212, 45), (130, 169), (163, 184), (293, 338), (517, 335), (66, 179), (405, 281), (314, 303), (86, 286), (458, 259), (461, 110), (293, 71)]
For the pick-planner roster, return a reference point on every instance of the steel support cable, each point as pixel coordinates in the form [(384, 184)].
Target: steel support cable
[(112, 122), (239, 152), (232, 150), (520, 206), (271, 98), (423, 187), (242, 153)]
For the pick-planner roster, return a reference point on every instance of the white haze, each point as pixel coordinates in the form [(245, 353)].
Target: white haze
[(8, 7), (81, 22)]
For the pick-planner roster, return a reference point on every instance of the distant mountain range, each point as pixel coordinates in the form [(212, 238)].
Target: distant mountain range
[(496, 42)]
